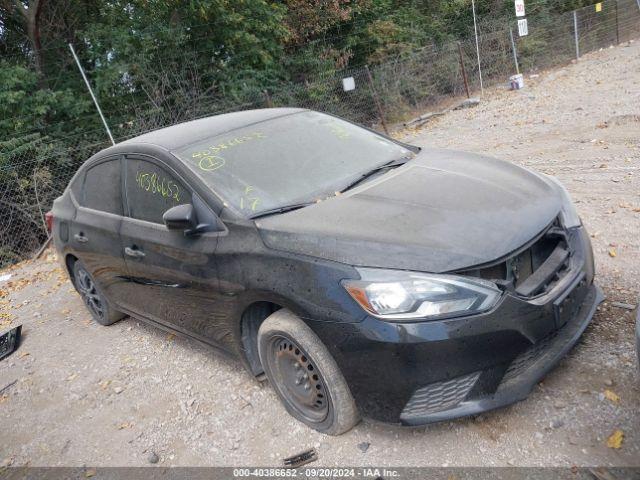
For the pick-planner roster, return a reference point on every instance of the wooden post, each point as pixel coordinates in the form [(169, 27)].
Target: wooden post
[(376, 100), (464, 72), (267, 99)]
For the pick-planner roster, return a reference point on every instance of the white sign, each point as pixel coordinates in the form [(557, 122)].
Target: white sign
[(348, 84), (519, 8), (523, 29)]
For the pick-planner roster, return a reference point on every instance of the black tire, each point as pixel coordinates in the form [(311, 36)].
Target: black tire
[(93, 298), (294, 358)]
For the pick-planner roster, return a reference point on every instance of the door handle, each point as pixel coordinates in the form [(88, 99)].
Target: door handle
[(79, 237), (134, 252)]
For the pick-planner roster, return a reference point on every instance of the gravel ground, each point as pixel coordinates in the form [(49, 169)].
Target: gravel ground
[(80, 394)]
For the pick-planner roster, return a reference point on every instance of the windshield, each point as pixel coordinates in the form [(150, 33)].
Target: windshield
[(295, 158)]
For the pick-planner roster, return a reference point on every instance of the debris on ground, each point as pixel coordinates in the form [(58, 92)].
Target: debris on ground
[(364, 446), (468, 103), (300, 459), (626, 306), (10, 341), (615, 439)]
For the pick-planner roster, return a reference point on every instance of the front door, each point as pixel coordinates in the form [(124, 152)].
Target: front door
[(173, 278)]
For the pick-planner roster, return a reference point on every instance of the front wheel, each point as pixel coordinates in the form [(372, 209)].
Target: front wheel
[(304, 374)]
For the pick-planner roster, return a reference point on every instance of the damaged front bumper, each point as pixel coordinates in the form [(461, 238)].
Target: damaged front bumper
[(521, 376), (423, 372)]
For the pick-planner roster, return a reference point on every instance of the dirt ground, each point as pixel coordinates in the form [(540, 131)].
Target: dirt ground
[(80, 394)]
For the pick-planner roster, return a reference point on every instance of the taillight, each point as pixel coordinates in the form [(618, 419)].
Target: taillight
[(48, 219)]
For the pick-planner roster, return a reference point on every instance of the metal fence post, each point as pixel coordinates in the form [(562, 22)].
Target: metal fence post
[(376, 100), (575, 33), (513, 49), (475, 29), (95, 100), (617, 23), (464, 72)]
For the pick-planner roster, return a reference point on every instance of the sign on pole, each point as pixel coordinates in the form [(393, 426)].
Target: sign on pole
[(523, 29), (348, 84), (519, 8)]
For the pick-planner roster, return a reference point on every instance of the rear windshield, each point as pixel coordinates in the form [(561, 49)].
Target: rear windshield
[(296, 158)]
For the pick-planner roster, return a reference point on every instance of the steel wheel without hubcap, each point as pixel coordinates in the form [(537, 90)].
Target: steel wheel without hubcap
[(300, 380), (304, 374), (89, 294)]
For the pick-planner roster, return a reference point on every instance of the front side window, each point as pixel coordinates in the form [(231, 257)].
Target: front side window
[(101, 189), (300, 157), (152, 190)]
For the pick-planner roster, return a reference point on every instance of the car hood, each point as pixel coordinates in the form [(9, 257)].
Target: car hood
[(442, 211)]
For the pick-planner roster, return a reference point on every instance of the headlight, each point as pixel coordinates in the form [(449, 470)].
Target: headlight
[(398, 295), (570, 217)]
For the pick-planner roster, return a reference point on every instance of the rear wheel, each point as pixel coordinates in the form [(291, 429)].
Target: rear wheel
[(304, 374), (93, 298)]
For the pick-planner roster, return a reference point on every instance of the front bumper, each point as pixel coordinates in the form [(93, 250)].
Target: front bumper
[(523, 373), (423, 372)]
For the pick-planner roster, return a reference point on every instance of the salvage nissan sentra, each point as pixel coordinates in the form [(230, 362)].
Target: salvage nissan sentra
[(359, 274)]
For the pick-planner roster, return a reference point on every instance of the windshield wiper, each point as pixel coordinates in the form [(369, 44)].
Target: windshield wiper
[(282, 209), (370, 173), (361, 178)]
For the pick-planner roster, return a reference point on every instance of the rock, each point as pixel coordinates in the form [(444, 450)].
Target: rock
[(608, 382), (118, 390), (557, 423), (559, 404), (626, 306), (153, 457), (468, 103), (364, 446)]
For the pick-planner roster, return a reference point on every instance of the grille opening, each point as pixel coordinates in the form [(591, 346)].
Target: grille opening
[(534, 270)]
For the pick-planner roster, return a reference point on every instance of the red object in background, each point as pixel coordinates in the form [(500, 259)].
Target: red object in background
[(48, 218)]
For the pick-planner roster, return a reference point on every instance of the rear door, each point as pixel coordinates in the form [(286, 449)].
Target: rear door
[(94, 232), (173, 277)]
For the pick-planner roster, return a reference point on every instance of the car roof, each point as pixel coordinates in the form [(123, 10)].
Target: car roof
[(187, 133)]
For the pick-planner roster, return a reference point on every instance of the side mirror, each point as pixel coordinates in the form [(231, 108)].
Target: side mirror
[(185, 218), (181, 217)]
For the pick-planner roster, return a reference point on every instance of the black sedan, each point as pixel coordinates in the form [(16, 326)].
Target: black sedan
[(361, 275)]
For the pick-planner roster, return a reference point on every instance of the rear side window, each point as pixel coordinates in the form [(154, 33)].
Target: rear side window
[(76, 186), (101, 189), (152, 190)]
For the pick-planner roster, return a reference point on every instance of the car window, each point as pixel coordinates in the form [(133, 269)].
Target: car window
[(77, 184), (101, 190), (152, 190), (294, 158)]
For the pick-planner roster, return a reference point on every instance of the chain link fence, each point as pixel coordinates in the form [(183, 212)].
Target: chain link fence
[(35, 168)]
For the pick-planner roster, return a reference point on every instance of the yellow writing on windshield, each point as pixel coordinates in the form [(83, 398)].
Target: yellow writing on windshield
[(208, 158), (249, 200), (154, 184)]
